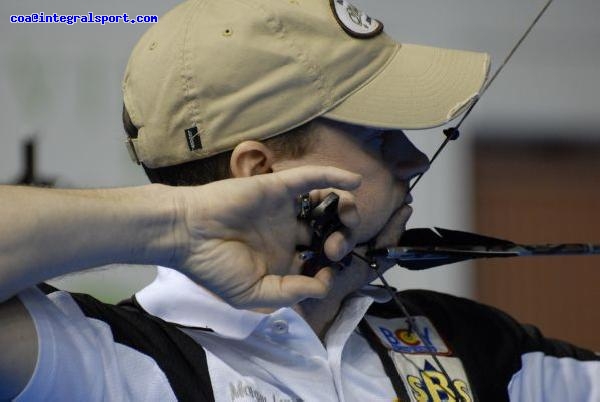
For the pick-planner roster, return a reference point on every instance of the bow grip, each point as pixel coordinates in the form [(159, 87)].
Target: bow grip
[(323, 220)]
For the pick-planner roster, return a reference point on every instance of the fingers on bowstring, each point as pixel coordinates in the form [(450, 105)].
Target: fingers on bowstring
[(347, 209), (303, 234), (299, 260), (339, 244), (347, 212), (303, 179)]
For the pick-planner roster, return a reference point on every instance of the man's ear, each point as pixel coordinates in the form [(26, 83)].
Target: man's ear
[(250, 158)]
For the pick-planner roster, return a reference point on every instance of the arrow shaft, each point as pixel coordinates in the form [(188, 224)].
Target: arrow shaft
[(437, 252)]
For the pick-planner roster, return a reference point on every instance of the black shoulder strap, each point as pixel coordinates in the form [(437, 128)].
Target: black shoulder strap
[(386, 360), (181, 359)]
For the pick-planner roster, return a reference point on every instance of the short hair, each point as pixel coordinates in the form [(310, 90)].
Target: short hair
[(291, 144)]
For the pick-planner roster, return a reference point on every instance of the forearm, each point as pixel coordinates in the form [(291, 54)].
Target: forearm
[(88, 228), (236, 237)]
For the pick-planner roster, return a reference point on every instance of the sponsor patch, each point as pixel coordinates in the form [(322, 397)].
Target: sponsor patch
[(425, 381), (355, 22), (394, 335)]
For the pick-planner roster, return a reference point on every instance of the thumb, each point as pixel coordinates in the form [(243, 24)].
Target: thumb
[(284, 291)]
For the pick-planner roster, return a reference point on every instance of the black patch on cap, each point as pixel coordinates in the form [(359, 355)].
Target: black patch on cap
[(193, 139)]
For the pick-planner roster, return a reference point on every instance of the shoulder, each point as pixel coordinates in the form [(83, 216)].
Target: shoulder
[(448, 311), (126, 339), (462, 318), (494, 348)]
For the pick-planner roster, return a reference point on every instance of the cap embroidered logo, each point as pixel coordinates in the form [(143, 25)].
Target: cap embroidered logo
[(355, 22)]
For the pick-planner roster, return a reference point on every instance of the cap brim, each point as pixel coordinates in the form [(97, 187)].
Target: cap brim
[(421, 87)]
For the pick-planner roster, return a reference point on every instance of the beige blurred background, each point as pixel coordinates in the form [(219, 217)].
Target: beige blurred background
[(524, 168)]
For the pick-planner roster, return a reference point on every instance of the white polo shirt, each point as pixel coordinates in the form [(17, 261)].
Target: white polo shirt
[(180, 341), (251, 356)]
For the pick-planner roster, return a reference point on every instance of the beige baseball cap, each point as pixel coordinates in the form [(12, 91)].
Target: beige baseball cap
[(213, 73)]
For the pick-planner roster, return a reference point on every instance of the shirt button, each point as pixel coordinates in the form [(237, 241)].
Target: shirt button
[(280, 327)]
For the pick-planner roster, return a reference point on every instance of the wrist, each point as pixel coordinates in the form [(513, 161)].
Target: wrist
[(157, 238)]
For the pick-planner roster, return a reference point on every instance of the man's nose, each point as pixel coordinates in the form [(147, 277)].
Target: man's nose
[(415, 166), (407, 160)]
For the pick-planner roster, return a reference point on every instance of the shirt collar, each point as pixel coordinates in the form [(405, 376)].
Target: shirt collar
[(175, 298)]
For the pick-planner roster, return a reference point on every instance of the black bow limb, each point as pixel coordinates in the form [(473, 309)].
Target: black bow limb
[(423, 248)]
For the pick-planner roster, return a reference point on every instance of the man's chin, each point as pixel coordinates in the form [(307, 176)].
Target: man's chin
[(390, 233), (388, 236)]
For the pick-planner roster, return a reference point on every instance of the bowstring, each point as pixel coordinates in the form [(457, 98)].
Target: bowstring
[(484, 89), (451, 134), (413, 327)]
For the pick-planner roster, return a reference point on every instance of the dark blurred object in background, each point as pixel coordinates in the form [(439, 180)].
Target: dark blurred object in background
[(541, 191), (29, 176)]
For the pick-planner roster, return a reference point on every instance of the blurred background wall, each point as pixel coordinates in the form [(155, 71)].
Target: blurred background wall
[(61, 85)]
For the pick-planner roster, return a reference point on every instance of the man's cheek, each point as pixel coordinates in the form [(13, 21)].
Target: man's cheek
[(371, 229), (374, 212)]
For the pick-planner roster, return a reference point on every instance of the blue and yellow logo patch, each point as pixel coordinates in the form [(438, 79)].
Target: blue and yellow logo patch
[(395, 335)]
